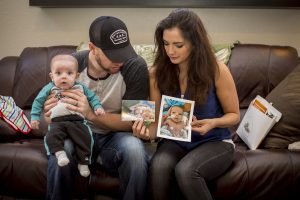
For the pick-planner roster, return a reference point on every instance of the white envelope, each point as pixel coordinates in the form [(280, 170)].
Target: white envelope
[(257, 122)]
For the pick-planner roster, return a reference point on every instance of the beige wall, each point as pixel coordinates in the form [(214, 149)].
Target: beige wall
[(22, 26)]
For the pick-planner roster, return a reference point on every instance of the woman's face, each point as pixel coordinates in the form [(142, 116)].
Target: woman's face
[(177, 48)]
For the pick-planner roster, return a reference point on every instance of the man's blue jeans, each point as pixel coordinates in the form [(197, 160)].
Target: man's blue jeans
[(119, 153)]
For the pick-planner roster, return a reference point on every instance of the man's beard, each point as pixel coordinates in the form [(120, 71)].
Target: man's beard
[(102, 67)]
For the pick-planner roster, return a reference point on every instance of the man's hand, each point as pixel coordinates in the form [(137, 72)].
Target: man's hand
[(140, 130), (77, 102), (49, 104)]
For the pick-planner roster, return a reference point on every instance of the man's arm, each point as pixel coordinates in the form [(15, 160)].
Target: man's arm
[(92, 98), (136, 78), (110, 121)]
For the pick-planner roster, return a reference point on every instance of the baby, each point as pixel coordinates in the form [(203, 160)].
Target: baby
[(65, 123), (148, 115), (175, 123)]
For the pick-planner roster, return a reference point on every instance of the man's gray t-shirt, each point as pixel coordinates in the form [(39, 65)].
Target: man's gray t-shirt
[(131, 82)]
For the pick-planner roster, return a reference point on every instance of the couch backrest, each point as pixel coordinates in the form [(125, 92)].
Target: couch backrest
[(257, 69), (8, 67)]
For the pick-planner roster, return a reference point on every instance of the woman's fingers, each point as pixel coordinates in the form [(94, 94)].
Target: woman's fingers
[(194, 118)]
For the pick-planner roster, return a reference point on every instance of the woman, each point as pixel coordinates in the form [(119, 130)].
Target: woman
[(186, 67)]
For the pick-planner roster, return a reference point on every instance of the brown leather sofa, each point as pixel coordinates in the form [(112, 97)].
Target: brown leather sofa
[(254, 174)]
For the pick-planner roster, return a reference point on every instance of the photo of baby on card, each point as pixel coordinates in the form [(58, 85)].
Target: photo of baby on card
[(133, 110), (175, 117)]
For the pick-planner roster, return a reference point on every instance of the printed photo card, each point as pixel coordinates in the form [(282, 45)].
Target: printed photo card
[(175, 117), (133, 110)]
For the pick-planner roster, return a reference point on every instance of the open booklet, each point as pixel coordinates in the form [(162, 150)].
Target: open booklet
[(133, 110), (257, 122), (175, 117)]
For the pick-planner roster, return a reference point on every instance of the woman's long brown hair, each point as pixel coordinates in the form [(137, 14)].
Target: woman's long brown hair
[(202, 64)]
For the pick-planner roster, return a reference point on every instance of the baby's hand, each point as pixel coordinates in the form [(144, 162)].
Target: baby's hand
[(99, 111), (35, 124)]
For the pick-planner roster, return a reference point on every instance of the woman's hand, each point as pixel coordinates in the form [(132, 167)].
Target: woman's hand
[(140, 130), (202, 126), (77, 102)]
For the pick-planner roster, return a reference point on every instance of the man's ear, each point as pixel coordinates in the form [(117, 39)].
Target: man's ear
[(92, 47)]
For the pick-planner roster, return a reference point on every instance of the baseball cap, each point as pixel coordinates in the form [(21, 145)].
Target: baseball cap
[(110, 34)]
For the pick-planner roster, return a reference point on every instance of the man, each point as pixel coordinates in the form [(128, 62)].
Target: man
[(111, 69)]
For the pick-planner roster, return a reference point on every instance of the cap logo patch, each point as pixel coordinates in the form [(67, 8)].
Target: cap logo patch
[(119, 36)]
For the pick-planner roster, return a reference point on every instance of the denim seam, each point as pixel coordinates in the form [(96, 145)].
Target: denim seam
[(217, 156)]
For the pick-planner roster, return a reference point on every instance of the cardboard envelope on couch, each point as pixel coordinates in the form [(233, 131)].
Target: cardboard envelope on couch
[(257, 122)]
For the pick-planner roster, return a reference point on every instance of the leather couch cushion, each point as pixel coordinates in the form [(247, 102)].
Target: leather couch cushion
[(7, 133), (286, 98), (261, 174), (23, 168)]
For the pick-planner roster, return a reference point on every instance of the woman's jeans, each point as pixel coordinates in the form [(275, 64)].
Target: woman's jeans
[(119, 153), (178, 174)]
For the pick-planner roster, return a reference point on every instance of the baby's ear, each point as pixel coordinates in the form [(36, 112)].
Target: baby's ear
[(51, 75), (77, 75), (169, 111)]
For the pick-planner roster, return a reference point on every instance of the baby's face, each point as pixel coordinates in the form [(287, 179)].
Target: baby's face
[(63, 74), (176, 114), (147, 115)]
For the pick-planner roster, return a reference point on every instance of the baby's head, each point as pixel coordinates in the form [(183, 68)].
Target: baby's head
[(176, 113), (64, 71), (147, 114)]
